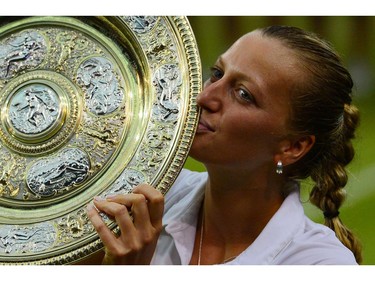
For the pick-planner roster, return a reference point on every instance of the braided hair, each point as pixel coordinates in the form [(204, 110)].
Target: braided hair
[(322, 106)]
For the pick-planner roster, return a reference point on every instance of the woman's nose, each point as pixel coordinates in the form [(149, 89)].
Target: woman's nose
[(211, 96)]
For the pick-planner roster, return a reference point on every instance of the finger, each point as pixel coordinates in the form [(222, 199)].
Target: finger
[(141, 213), (111, 208), (123, 199), (138, 206), (119, 212), (105, 234), (155, 202)]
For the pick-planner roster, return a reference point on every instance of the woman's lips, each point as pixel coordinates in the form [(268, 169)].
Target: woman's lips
[(203, 126)]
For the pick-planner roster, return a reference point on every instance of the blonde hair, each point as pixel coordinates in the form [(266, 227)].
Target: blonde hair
[(322, 106)]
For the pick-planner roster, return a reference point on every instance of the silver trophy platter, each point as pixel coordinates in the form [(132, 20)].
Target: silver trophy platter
[(89, 106)]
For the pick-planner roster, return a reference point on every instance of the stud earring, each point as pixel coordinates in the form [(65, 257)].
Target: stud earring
[(279, 167)]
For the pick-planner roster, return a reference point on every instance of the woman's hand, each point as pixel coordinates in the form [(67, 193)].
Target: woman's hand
[(138, 237)]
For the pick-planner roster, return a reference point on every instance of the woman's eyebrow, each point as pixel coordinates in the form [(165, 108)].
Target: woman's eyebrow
[(256, 88), (240, 74)]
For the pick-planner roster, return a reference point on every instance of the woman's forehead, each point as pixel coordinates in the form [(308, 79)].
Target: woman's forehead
[(261, 58)]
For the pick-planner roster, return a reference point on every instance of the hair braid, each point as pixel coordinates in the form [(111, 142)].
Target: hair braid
[(322, 107), (329, 193)]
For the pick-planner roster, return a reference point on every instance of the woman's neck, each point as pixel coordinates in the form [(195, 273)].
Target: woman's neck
[(233, 214), (238, 206)]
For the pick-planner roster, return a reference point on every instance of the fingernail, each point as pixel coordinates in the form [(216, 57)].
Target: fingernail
[(110, 196), (90, 206), (98, 198)]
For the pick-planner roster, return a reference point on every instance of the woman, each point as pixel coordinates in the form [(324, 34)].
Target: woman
[(276, 109)]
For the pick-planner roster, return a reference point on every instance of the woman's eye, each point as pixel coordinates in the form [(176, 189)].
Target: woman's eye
[(246, 96), (216, 74)]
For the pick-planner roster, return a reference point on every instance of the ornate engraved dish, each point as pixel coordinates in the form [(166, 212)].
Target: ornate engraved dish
[(89, 106)]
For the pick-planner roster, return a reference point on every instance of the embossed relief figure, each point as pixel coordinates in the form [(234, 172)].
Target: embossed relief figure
[(22, 51), (50, 176), (276, 109), (142, 24), (33, 109), (168, 81), (103, 93), (25, 239)]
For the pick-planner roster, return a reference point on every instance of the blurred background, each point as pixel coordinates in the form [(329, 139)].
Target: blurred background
[(354, 39)]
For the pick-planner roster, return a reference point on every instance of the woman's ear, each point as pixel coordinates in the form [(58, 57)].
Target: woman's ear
[(294, 149)]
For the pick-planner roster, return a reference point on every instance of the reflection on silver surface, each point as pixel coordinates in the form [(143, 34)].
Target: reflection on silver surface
[(49, 176), (15, 239), (21, 51), (34, 108), (103, 94), (127, 181), (142, 24), (167, 81)]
